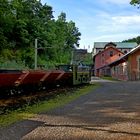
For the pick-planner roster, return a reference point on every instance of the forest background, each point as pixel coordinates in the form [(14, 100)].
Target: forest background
[(23, 21)]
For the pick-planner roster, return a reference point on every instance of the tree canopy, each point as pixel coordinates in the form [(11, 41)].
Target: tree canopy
[(135, 39), (22, 21), (135, 2)]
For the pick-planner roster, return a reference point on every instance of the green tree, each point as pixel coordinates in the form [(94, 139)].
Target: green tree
[(135, 3), (22, 21), (136, 39)]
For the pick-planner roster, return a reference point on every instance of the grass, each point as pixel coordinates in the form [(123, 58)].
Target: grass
[(43, 106), (109, 78)]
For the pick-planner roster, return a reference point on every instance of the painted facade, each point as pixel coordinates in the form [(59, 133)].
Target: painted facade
[(104, 58), (128, 66)]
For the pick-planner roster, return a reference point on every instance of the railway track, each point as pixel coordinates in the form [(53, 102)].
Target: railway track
[(12, 103), (25, 87)]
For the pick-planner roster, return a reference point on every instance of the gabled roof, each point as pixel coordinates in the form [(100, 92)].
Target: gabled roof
[(106, 49), (126, 55), (133, 50), (118, 44)]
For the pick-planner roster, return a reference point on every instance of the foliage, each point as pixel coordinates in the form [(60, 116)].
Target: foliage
[(109, 78), (88, 59), (135, 3), (136, 39), (22, 21)]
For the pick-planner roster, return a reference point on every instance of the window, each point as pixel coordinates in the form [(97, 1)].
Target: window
[(125, 51), (111, 53), (103, 61)]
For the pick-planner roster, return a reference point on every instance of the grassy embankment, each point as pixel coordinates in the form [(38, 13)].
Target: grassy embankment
[(109, 78), (44, 106)]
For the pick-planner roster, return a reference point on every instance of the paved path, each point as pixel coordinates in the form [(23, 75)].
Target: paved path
[(111, 112), (99, 80)]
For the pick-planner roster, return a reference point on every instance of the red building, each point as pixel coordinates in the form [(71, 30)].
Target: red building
[(128, 66), (124, 47), (104, 58)]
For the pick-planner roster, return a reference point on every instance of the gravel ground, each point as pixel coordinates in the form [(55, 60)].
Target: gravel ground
[(111, 112)]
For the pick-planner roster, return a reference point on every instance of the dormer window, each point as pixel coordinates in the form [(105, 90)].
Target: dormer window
[(125, 51), (111, 53)]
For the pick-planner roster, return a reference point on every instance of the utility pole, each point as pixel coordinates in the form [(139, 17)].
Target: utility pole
[(35, 54), (72, 56)]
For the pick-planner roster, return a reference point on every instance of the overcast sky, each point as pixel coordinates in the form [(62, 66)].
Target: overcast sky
[(100, 20)]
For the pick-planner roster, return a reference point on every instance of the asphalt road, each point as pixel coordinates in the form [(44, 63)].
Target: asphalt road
[(111, 112)]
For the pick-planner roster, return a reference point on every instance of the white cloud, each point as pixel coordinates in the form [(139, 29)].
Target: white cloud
[(115, 24), (107, 27), (101, 20), (116, 1), (127, 20), (115, 37), (110, 1)]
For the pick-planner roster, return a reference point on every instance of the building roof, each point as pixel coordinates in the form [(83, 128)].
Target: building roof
[(106, 49), (126, 55), (81, 51), (118, 44)]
